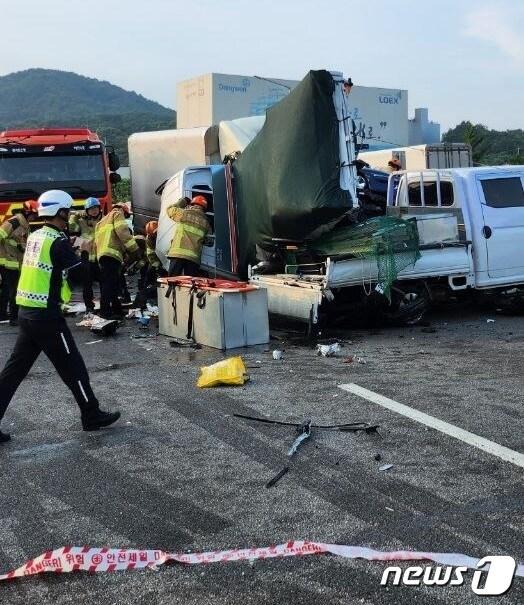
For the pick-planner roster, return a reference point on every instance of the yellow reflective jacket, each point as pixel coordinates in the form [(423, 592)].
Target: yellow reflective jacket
[(13, 238), (83, 226), (113, 236), (151, 256), (190, 233)]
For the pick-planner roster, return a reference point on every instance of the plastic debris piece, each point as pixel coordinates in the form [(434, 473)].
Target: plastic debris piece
[(143, 321), (104, 327), (99, 325), (277, 355), (87, 320), (137, 336), (274, 480), (304, 431), (94, 342), (490, 321), (230, 372), (385, 467), (329, 350), (355, 359), (152, 310)]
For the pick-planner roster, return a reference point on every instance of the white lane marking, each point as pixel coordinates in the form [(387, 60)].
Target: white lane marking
[(65, 343), (435, 423)]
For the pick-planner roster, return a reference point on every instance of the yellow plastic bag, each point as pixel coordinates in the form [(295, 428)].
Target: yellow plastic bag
[(231, 371)]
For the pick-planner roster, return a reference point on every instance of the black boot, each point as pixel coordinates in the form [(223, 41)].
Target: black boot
[(96, 420), (4, 437)]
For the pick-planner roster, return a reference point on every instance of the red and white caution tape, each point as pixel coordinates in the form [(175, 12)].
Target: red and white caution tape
[(76, 558)]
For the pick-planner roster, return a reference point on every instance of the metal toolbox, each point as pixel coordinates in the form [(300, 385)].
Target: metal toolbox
[(215, 316)]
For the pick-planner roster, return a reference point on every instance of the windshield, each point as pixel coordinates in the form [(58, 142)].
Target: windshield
[(32, 174)]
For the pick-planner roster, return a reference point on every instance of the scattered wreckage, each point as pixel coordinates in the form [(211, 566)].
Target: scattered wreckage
[(298, 214)]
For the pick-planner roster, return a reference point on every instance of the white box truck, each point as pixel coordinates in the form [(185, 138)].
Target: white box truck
[(419, 157)]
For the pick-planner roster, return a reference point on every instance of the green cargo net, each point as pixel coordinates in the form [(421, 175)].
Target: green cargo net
[(392, 242)]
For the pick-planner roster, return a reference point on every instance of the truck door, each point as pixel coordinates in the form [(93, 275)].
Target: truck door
[(502, 201)]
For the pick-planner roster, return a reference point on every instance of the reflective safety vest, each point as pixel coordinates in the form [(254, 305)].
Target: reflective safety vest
[(113, 236), (82, 225), (190, 232), (13, 236), (35, 278), (151, 256)]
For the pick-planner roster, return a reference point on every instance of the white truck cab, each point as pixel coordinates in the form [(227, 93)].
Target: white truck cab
[(488, 206), (470, 223)]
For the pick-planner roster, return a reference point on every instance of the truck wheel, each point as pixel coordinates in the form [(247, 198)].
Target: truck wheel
[(408, 305), (511, 302)]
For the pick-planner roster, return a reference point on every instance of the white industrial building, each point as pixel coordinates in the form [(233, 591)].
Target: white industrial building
[(380, 114)]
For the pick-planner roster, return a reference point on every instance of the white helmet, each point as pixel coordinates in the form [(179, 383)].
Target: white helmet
[(50, 202)]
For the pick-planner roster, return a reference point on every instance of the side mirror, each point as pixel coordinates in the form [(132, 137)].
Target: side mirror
[(113, 159), (114, 178)]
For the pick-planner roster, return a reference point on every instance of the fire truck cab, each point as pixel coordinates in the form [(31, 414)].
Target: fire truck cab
[(72, 159)]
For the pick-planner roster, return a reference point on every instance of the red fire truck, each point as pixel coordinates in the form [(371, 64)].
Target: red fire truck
[(72, 159)]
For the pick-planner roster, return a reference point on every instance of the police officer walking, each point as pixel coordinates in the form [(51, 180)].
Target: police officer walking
[(49, 261)]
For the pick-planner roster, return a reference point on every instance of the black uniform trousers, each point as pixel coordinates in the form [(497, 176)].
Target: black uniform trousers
[(91, 273), (110, 286), (53, 337), (182, 266), (8, 288)]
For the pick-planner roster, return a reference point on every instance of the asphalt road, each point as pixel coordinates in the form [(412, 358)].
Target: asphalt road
[(180, 472)]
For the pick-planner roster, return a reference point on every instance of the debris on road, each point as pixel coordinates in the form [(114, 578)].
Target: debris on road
[(385, 467), (344, 427), (304, 431), (230, 372), (184, 342), (378, 457), (143, 321), (329, 350), (140, 336), (355, 359), (277, 355), (94, 342), (99, 325), (104, 327), (273, 481), (490, 321)]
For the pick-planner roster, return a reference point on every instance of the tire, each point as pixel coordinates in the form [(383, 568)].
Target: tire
[(408, 305)]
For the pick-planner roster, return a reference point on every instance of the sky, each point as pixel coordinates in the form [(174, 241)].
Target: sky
[(464, 59)]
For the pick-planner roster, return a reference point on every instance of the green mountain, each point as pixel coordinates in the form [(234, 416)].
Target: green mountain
[(48, 97), (490, 147)]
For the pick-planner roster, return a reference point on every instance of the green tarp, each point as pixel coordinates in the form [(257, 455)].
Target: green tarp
[(392, 243), (287, 179)]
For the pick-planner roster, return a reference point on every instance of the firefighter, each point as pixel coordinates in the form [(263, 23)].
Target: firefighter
[(82, 225), (13, 236), (150, 267), (48, 264), (153, 262), (192, 232), (113, 242)]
